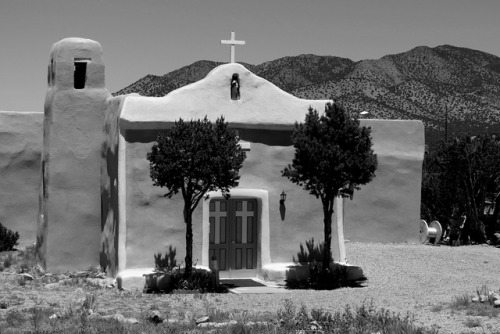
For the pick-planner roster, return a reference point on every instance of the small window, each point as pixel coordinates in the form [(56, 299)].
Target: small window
[(80, 74), (235, 87)]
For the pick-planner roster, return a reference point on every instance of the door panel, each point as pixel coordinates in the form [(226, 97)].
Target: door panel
[(233, 233)]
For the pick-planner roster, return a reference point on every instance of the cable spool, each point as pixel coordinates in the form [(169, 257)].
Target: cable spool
[(430, 233)]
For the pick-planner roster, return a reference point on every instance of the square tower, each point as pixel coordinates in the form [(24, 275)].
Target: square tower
[(69, 223)]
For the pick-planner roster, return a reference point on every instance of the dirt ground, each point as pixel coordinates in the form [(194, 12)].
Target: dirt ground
[(421, 280)]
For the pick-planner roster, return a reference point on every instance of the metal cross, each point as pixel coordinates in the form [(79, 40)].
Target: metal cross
[(232, 42)]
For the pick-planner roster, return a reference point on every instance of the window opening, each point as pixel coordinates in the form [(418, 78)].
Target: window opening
[(235, 87), (80, 74)]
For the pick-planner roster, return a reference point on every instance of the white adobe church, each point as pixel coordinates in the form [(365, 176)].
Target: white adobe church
[(97, 204)]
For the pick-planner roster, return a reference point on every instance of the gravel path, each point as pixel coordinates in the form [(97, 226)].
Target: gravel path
[(402, 278)]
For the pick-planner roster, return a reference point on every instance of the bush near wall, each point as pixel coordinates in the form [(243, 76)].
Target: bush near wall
[(8, 239), (308, 272)]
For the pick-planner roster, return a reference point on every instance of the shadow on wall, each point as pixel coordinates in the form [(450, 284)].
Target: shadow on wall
[(268, 137), (109, 215)]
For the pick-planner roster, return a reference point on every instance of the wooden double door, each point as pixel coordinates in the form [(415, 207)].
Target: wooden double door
[(233, 233)]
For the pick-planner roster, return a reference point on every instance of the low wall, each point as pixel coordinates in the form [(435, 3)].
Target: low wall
[(20, 155)]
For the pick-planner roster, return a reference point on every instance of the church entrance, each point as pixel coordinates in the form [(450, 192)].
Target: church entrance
[(233, 233)]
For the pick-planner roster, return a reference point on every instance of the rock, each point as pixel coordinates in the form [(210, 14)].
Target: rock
[(82, 274), (155, 317), (62, 277), (217, 324), (121, 319), (131, 321), (51, 286), (53, 316), (102, 283), (202, 320), (483, 298), (26, 277), (496, 303), (495, 296), (207, 324), (475, 299)]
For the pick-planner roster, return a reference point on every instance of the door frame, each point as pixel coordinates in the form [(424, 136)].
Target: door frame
[(262, 220)]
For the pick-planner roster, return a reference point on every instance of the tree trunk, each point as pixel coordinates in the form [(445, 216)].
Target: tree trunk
[(327, 221), (189, 238), (496, 214)]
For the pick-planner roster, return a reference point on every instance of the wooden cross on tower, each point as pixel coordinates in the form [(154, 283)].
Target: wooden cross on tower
[(232, 42)]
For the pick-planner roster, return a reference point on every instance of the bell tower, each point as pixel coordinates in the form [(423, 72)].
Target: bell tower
[(69, 222)]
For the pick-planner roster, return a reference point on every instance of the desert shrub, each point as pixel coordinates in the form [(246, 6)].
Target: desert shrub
[(312, 253), (308, 271), (473, 322), (8, 239), (14, 317), (168, 262), (8, 260), (168, 276), (312, 276), (365, 319), (481, 307), (200, 280)]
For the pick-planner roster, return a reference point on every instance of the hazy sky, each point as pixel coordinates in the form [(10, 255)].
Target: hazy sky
[(157, 36)]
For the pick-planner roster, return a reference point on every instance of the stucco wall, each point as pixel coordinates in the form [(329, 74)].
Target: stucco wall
[(153, 221), (20, 155), (69, 228), (387, 210)]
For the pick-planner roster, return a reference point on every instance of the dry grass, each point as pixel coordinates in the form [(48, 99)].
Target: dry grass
[(420, 280)]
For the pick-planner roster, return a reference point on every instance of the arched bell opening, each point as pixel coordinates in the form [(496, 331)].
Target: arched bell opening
[(235, 87)]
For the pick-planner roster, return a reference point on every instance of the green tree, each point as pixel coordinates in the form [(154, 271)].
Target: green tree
[(194, 158), (333, 156), (459, 177), (8, 239)]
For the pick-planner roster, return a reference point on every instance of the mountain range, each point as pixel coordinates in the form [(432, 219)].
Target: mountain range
[(445, 86)]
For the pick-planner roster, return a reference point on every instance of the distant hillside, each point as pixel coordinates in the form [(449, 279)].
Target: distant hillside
[(422, 83)]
